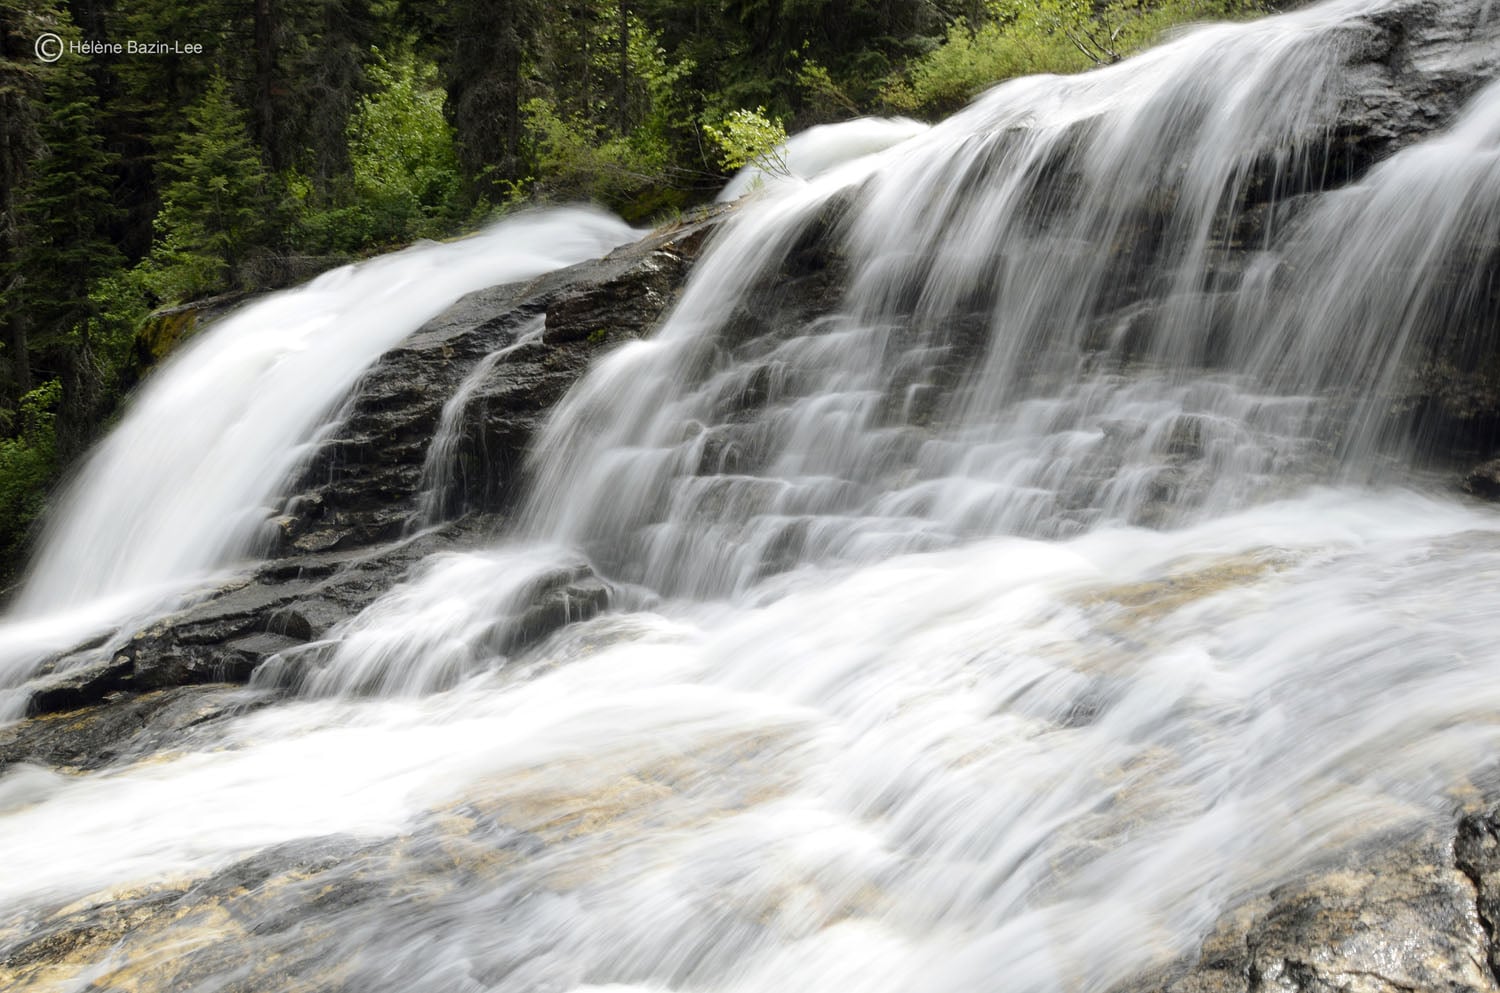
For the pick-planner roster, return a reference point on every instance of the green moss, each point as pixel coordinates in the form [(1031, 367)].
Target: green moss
[(163, 331)]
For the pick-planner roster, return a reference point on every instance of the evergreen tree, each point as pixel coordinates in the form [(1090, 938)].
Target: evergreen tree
[(21, 78), (310, 73), (151, 96), (328, 75), (216, 204), (483, 49), (65, 213), (66, 246)]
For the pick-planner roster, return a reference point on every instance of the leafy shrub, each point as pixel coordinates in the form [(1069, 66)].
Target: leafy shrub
[(28, 464), (1027, 37), (405, 166), (749, 137)]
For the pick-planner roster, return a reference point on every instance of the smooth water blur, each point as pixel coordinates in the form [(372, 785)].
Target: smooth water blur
[(1391, 264), (1007, 622), (184, 485), (815, 151), (1050, 761), (1040, 326)]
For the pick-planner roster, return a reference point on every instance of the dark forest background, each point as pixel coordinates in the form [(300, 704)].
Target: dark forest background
[(311, 132)]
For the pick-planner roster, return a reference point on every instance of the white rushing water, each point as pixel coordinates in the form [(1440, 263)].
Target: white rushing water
[(1011, 759), (815, 151), (439, 468), (184, 484), (1004, 624), (1013, 356)]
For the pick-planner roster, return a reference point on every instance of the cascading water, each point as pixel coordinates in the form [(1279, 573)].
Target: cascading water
[(183, 485), (897, 693), (1039, 314), (438, 468), (819, 149)]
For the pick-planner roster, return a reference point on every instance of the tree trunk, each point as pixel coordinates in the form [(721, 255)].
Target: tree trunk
[(265, 74), (585, 83), (624, 101), (11, 156), (512, 51)]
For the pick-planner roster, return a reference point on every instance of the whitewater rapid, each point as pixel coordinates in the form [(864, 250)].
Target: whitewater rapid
[(1055, 762)]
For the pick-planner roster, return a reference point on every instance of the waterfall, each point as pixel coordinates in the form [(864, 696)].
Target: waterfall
[(186, 482), (439, 469), (1016, 549), (1038, 326), (1399, 264)]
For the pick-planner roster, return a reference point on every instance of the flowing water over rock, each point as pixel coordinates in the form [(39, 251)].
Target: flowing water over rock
[(182, 487), (439, 468), (1016, 559), (819, 149), (1039, 326)]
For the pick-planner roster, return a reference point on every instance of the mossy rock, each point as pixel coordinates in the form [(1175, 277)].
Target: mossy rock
[(163, 331)]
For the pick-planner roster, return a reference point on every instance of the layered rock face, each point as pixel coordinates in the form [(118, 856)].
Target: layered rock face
[(352, 521), (349, 528)]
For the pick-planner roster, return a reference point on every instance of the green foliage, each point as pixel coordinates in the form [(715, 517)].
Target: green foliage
[(973, 58), (1026, 37), (118, 305), (583, 160), (216, 204), (749, 137), (318, 72), (858, 41), (404, 177), (64, 215), (401, 147), (28, 464), (624, 152), (826, 98)]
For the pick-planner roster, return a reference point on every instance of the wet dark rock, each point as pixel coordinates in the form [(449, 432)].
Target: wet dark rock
[(362, 485), (122, 726), (232, 629), (615, 305), (1484, 480), (562, 598), (81, 685), (1477, 853)]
